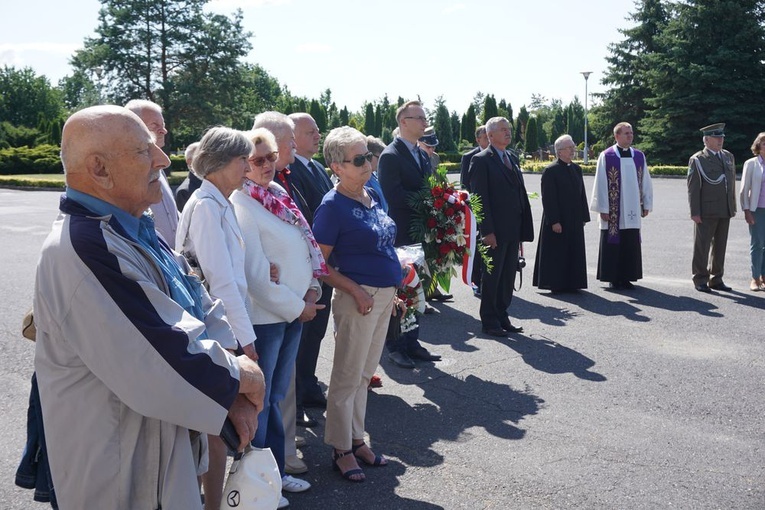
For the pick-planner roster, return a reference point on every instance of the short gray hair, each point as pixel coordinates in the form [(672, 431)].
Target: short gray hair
[(494, 121), (276, 122), (189, 154), (337, 142), (375, 145), (559, 142), (218, 147), (138, 106)]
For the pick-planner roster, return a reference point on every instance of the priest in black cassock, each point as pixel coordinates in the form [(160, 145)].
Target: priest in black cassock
[(561, 263)]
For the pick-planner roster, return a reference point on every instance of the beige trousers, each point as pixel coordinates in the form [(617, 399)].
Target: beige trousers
[(359, 341)]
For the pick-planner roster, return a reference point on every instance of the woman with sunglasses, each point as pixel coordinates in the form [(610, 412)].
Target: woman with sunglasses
[(352, 228), (209, 234), (274, 230)]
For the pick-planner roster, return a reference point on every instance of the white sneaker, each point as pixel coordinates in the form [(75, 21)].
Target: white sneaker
[(292, 484), (283, 502)]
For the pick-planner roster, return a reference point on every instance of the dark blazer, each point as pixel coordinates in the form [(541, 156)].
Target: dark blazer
[(400, 178), (186, 188), (465, 167), (310, 188), (506, 208)]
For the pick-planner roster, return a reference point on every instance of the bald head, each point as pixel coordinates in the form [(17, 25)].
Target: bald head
[(307, 134), (108, 152)]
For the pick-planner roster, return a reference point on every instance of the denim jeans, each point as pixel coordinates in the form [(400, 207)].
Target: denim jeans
[(757, 244), (277, 345)]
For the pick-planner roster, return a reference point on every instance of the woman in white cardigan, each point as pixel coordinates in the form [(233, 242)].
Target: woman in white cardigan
[(275, 232), (753, 204), (208, 233)]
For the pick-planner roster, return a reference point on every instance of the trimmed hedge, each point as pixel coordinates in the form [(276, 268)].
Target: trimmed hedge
[(46, 159), (43, 159)]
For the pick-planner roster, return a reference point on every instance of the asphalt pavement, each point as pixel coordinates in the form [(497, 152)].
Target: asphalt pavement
[(643, 399)]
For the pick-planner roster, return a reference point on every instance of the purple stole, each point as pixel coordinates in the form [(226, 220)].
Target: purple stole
[(614, 180)]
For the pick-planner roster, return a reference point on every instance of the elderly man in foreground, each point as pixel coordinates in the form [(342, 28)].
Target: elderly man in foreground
[(127, 355)]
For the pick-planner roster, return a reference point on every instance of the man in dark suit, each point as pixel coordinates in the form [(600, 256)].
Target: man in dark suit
[(311, 179), (191, 182), (402, 170), (483, 141), (495, 176)]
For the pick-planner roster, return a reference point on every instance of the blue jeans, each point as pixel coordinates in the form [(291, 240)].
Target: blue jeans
[(757, 244), (277, 345)]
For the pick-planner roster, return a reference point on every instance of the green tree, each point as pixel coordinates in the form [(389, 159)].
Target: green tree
[(26, 99), (489, 108), (456, 129), (469, 124), (531, 143), (171, 52), (478, 100), (575, 120), (369, 119), (443, 126), (626, 76), (319, 115), (78, 91), (520, 126), (378, 120), (344, 116), (709, 68)]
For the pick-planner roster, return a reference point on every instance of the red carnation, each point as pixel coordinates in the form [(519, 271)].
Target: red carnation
[(450, 231), (438, 203), (444, 249), (436, 191), (458, 219), (449, 212), (431, 223)]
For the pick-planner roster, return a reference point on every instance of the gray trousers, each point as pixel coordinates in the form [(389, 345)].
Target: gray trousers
[(710, 233)]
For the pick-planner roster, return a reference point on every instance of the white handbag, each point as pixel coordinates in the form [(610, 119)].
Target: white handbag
[(253, 482)]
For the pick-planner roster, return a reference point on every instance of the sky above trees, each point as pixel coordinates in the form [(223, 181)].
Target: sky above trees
[(363, 50)]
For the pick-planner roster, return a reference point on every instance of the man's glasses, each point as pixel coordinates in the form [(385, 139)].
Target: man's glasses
[(261, 160), (420, 118), (360, 159)]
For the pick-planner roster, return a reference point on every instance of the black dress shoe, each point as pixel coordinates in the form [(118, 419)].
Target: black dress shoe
[(703, 287), (495, 332), (441, 297), (507, 326), (628, 285), (720, 286), (303, 420), (614, 285), (423, 354), (401, 359), (318, 402)]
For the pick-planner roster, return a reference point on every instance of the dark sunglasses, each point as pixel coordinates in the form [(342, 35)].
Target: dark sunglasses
[(359, 160), (261, 160)]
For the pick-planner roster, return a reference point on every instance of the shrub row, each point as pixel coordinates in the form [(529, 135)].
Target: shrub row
[(46, 159), (43, 159)]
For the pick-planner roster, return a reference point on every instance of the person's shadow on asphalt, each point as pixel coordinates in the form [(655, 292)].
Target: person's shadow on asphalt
[(551, 357)]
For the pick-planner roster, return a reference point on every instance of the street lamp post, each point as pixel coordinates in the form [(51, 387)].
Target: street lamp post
[(586, 75)]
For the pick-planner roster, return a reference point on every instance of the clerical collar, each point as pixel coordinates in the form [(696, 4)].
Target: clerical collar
[(624, 153)]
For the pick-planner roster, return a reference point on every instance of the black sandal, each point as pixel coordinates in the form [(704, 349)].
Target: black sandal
[(379, 461), (351, 472)]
